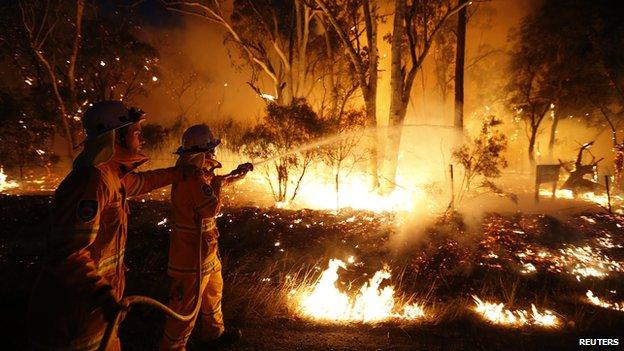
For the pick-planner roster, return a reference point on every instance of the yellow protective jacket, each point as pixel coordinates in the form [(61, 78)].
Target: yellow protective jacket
[(195, 207), (85, 252)]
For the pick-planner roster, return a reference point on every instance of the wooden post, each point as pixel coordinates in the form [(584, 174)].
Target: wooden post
[(537, 184), (608, 193)]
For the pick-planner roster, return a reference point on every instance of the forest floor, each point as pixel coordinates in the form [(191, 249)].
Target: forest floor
[(515, 258)]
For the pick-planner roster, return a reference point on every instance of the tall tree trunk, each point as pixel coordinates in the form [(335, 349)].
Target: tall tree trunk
[(373, 151), (532, 147), (398, 105), (460, 53), (370, 19), (332, 72), (366, 74)]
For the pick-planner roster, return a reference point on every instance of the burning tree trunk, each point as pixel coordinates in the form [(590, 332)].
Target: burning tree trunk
[(459, 68)]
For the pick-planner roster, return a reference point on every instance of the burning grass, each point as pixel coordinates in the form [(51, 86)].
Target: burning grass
[(595, 300), (497, 313), (372, 303), (276, 270)]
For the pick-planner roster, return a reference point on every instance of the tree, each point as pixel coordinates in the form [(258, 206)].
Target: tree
[(40, 22), (342, 153), (355, 24), (575, 68), (24, 137), (415, 26), (275, 141), (274, 38), (531, 92), (460, 53), (70, 54), (482, 158)]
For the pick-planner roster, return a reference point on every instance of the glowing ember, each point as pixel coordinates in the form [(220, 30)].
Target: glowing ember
[(598, 302), (585, 262), (4, 184), (528, 268), (579, 261), (497, 314), (559, 193), (268, 97), (371, 304)]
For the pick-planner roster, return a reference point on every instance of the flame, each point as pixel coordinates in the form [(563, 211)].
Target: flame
[(371, 304), (598, 302), (317, 192), (497, 314), (600, 199), (268, 97), (4, 184)]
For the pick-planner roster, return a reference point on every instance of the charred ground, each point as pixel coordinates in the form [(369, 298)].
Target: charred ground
[(442, 269)]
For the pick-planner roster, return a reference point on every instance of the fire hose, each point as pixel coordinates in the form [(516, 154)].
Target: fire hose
[(144, 300)]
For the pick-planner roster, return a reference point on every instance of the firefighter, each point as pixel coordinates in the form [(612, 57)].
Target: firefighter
[(81, 285), (196, 204)]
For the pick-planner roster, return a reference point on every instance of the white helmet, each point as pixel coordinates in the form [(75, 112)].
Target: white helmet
[(197, 138), (106, 116)]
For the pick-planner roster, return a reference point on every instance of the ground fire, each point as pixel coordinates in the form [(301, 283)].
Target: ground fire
[(324, 301)]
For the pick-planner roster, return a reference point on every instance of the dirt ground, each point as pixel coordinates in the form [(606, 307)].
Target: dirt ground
[(443, 269)]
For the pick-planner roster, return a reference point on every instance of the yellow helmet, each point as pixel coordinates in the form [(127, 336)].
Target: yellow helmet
[(197, 138), (105, 116)]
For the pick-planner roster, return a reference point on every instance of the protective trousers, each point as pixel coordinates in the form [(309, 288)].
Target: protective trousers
[(182, 300)]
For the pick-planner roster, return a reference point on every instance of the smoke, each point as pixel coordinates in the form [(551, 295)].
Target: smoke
[(199, 80)]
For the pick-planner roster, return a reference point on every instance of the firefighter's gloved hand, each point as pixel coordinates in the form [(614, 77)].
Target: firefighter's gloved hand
[(190, 172), (244, 168), (110, 305)]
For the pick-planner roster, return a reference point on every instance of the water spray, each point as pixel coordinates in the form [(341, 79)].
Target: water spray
[(331, 139)]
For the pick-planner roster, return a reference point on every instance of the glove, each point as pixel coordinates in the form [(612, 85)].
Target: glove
[(110, 305), (244, 168)]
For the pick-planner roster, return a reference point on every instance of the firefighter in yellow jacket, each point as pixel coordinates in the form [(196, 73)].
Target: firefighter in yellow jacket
[(80, 287), (196, 204)]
